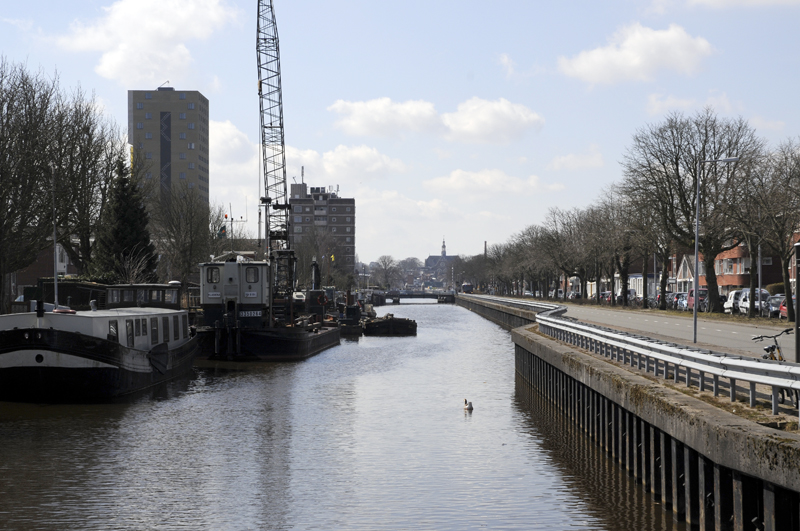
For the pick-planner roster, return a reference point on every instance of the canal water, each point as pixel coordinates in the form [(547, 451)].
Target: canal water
[(369, 435)]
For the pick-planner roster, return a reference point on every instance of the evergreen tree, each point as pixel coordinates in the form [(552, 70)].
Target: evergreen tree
[(124, 252)]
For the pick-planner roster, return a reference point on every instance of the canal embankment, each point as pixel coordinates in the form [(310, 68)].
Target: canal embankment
[(708, 466)]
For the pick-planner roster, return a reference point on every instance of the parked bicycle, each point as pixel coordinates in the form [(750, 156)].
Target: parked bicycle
[(773, 352)]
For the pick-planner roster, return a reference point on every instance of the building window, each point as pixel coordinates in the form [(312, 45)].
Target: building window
[(190, 106), (348, 249), (191, 124), (333, 220), (191, 165), (182, 116), (348, 219), (347, 229), (148, 116), (139, 125), (298, 208), (347, 209), (333, 229), (182, 136), (298, 219), (140, 145), (182, 175), (298, 229), (333, 209), (148, 155), (140, 105), (182, 96), (182, 156), (148, 96), (347, 239), (308, 209), (191, 145), (148, 136)]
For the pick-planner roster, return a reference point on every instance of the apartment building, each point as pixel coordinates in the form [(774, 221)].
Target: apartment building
[(320, 208), (168, 133)]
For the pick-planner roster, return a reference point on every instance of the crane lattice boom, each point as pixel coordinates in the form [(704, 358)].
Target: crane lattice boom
[(272, 143)]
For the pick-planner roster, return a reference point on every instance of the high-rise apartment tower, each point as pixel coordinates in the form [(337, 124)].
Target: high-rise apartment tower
[(320, 208), (168, 131)]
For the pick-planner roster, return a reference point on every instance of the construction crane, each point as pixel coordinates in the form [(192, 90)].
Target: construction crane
[(275, 199)]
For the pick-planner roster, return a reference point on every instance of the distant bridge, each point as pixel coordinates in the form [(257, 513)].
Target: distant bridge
[(441, 296)]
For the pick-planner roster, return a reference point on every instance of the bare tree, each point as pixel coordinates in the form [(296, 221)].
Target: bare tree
[(662, 165), (387, 271)]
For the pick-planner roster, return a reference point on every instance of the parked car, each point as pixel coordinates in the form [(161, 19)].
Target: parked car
[(527, 294), (672, 299), (631, 296), (702, 294), (683, 302), (772, 308), (744, 300), (784, 312), (732, 304)]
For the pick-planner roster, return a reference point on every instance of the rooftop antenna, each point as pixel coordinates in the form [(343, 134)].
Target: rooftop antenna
[(302, 174), (164, 83)]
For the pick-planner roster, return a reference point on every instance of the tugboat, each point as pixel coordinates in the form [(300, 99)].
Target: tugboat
[(247, 317), (137, 339)]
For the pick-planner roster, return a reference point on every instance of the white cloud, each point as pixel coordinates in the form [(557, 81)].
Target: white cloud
[(20, 24), (637, 53), (592, 159), (720, 103), (508, 64), (494, 122), (234, 167), (144, 41), (721, 4), (478, 185), (383, 117), (475, 121), (771, 125), (660, 104), (348, 166)]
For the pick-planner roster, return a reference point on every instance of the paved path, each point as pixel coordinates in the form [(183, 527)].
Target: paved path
[(734, 336)]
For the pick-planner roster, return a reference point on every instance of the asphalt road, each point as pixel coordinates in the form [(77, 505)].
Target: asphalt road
[(721, 334)]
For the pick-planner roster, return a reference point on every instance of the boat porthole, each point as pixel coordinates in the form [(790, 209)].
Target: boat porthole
[(38, 335), (26, 335), (39, 358)]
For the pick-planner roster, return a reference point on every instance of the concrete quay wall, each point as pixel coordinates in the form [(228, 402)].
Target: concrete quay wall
[(709, 467), (506, 316)]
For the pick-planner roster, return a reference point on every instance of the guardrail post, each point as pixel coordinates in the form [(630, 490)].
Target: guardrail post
[(688, 376), (752, 394), (675, 373), (702, 378), (733, 389), (774, 400), (716, 385)]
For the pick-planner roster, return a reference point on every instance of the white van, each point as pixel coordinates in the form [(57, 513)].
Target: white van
[(732, 303), (744, 301)]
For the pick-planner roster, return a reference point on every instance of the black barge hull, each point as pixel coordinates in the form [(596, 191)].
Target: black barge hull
[(53, 366), (276, 344)]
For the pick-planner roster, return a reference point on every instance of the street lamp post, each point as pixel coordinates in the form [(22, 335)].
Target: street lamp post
[(697, 240)]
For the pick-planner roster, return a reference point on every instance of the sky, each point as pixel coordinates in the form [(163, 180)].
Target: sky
[(460, 120)]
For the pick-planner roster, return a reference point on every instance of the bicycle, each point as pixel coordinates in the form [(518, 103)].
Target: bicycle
[(773, 352)]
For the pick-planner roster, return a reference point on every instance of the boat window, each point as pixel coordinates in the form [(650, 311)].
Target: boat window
[(165, 322), (154, 330), (138, 327), (127, 295), (171, 296), (251, 274), (129, 331), (113, 331), (141, 296), (212, 275), (176, 329), (155, 295), (185, 326), (113, 295), (144, 327)]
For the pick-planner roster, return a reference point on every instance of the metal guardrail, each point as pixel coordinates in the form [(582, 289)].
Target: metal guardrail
[(659, 357)]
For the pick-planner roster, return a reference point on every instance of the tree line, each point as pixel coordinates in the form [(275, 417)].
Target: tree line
[(753, 200), (64, 164)]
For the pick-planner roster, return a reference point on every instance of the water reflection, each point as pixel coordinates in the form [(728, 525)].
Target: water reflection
[(371, 434), (610, 493)]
